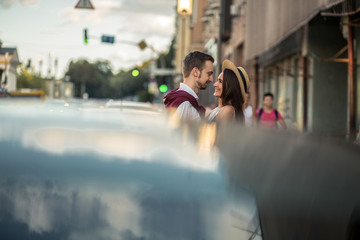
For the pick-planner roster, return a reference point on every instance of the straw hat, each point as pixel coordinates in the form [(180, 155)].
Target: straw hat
[(240, 74)]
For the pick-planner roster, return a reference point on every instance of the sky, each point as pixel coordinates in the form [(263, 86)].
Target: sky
[(50, 31)]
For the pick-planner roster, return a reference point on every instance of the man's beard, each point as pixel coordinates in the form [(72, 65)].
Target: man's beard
[(203, 87)]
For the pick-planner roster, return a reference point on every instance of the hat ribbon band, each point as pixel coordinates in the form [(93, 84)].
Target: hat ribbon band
[(243, 79)]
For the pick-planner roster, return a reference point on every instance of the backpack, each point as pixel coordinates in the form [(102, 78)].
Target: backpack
[(261, 112)]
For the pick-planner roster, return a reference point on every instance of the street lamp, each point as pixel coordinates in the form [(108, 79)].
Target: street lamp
[(6, 67), (184, 7)]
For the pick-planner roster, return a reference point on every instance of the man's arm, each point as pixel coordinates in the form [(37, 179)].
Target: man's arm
[(187, 112)]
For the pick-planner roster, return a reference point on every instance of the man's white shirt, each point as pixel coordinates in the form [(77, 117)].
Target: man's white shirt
[(185, 110)]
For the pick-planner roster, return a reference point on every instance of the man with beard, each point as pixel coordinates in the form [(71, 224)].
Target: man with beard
[(197, 71)]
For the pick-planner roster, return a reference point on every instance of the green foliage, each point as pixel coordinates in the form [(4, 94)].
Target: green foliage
[(93, 78), (144, 96), (126, 85), (165, 60), (83, 74), (25, 79), (98, 80)]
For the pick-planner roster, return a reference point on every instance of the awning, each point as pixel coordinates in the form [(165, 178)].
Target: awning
[(270, 22)]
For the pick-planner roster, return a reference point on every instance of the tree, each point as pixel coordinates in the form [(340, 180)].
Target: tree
[(92, 78), (124, 84), (26, 79), (165, 60), (98, 80), (82, 73), (103, 88)]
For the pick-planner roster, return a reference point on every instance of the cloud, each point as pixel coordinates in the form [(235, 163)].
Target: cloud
[(24, 3), (127, 56), (126, 60), (7, 3), (74, 16), (110, 8), (51, 31), (162, 7), (133, 21), (149, 24), (102, 10)]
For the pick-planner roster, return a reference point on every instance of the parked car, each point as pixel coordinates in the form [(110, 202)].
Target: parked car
[(100, 174), (124, 105)]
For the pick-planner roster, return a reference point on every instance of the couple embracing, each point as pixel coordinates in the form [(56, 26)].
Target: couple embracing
[(230, 89)]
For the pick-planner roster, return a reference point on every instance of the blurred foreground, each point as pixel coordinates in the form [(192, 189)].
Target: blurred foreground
[(118, 170)]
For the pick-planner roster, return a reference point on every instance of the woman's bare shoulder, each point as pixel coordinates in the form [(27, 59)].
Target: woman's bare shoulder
[(228, 109), (227, 113)]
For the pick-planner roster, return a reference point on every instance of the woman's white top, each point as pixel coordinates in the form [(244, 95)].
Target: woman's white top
[(248, 112), (213, 114)]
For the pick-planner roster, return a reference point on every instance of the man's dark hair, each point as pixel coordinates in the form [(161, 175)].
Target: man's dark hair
[(268, 94), (195, 59)]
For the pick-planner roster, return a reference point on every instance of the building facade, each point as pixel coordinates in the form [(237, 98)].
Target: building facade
[(304, 53), (9, 60), (198, 31)]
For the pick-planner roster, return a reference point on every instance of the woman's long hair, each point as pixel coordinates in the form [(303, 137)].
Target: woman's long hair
[(231, 94)]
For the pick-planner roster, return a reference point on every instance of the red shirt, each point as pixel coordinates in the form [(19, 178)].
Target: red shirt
[(268, 119)]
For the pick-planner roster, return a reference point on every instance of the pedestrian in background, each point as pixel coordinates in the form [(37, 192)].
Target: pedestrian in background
[(268, 116), (357, 140), (230, 89), (248, 111), (197, 72)]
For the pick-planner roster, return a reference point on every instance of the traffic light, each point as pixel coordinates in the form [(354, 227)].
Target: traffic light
[(142, 45), (85, 36), (107, 39), (135, 73), (163, 88)]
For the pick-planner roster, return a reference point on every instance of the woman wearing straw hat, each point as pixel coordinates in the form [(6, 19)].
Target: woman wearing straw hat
[(230, 88)]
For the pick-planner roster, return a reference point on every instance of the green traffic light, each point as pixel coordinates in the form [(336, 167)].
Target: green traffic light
[(135, 73), (85, 36), (163, 88)]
